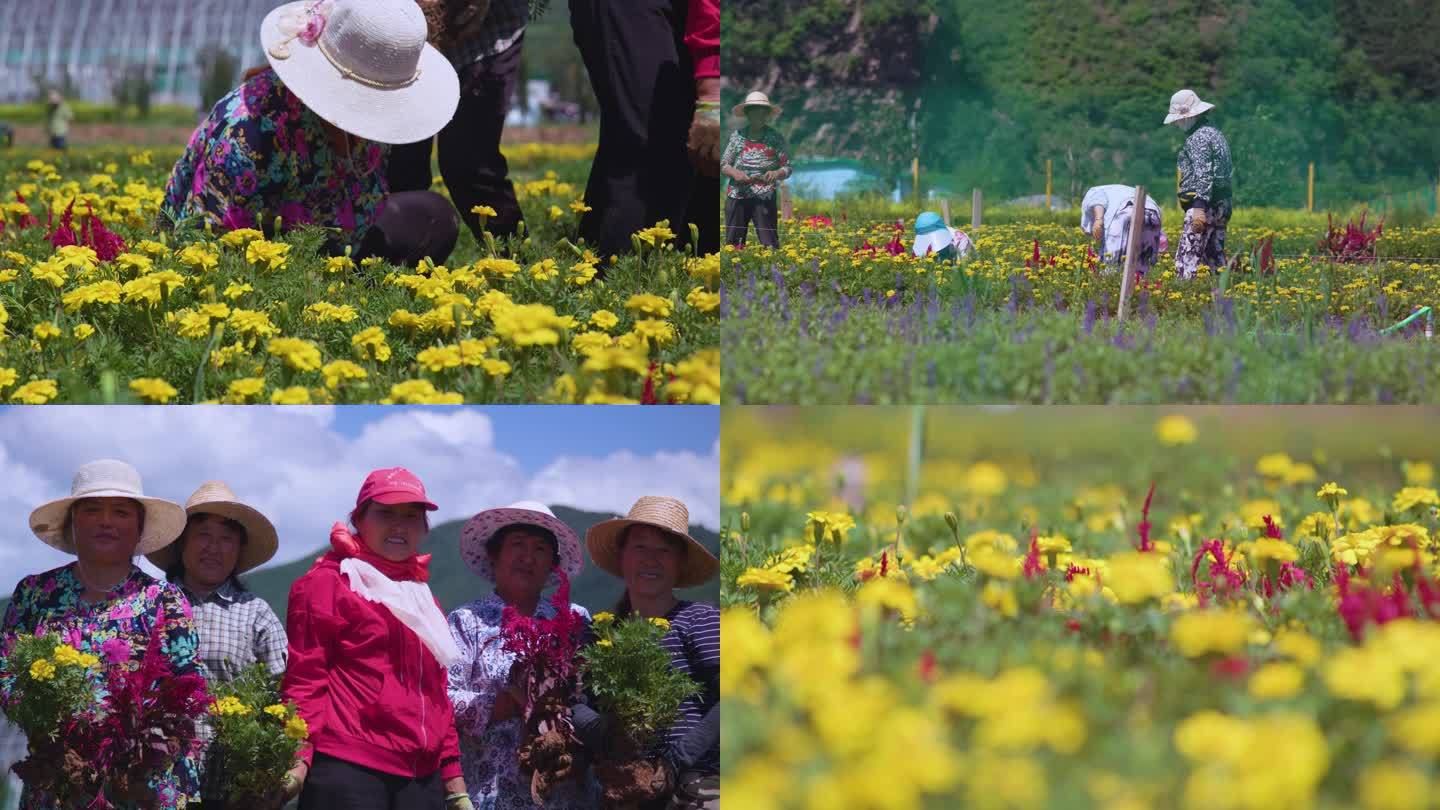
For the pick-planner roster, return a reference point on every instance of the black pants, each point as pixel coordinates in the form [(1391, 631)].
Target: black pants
[(475, 171), (414, 225), (740, 213), (334, 784), (644, 81)]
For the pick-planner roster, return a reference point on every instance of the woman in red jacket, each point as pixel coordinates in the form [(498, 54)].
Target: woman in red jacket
[(368, 654)]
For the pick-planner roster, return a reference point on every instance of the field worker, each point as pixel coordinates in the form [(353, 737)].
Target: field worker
[(1106, 214), (306, 140), (933, 236), (655, 68), (367, 659), (652, 552), (516, 549), (1205, 185), (756, 160), (483, 39), (104, 605), (57, 120), (222, 539)]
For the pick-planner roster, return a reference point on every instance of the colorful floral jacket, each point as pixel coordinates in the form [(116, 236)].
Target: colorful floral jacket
[(1205, 168), (755, 157)]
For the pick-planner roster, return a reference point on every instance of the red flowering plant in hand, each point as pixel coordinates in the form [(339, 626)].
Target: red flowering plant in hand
[(142, 725), (546, 667)]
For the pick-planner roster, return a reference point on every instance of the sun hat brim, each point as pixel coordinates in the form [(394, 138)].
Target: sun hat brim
[(932, 241), (739, 109), (164, 520), (261, 540), (1198, 109), (391, 116), (603, 543), (478, 530)]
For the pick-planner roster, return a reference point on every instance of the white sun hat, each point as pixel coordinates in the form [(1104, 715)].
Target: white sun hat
[(364, 66), (107, 478), (1184, 105), (479, 529), (756, 99)]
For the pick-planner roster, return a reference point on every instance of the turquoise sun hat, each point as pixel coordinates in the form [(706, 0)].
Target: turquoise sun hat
[(931, 235)]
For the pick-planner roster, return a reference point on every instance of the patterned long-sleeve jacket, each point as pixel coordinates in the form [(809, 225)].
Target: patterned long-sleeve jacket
[(1205, 168)]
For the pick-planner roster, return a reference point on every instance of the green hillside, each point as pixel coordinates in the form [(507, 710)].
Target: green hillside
[(1353, 86), (454, 585)]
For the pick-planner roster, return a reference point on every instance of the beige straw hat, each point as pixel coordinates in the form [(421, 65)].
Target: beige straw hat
[(108, 478), (364, 66), (668, 515), (756, 99), (216, 498), (1185, 105)]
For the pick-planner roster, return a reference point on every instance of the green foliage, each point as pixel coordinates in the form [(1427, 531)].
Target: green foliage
[(251, 751), (219, 69), (51, 682), (629, 674)]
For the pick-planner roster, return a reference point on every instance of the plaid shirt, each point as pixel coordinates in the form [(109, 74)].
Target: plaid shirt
[(504, 24), (236, 629)]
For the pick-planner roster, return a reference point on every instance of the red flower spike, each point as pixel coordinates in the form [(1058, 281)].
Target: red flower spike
[(1034, 567), (1145, 544), (884, 562), (927, 667)]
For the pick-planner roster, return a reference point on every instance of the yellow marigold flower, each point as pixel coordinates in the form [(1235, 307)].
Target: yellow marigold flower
[(649, 304), (240, 236), (1418, 473), (1000, 597), (277, 711), (697, 379), (339, 371), (8, 377), (495, 367), (371, 343), (556, 212), (662, 332), (1137, 577), (237, 291), (65, 655), (35, 392), (79, 257), (529, 324), (294, 395), (702, 300), (153, 389), (663, 624), (764, 580), (1174, 430), (501, 268), (484, 212), (1274, 465), (269, 254), (545, 269), (986, 479), (581, 273), (301, 355), (42, 670), (1415, 498), (604, 319), (339, 264), (198, 257), (657, 234), (326, 312), (1367, 676), (49, 272), (1393, 786), (605, 642), (1277, 681), (244, 390), (439, 358), (579, 207), (603, 617), (419, 392)]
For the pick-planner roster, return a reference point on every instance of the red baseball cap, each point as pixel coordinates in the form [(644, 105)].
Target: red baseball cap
[(391, 486)]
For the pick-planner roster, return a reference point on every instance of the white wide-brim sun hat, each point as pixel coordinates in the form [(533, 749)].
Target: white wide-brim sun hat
[(364, 66), (1185, 105), (479, 529), (108, 478), (756, 99), (935, 241)]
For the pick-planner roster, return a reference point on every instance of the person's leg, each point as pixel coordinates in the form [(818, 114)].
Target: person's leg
[(643, 79), (334, 784), (1192, 245), (409, 166), (1215, 239), (414, 225), (767, 222), (474, 169), (737, 225)]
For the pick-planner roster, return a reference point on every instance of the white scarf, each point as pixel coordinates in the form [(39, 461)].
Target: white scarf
[(410, 602)]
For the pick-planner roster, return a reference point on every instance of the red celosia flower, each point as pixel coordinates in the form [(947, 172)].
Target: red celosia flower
[(884, 562), (1033, 565), (1145, 544), (1235, 667), (1223, 576), (927, 668)]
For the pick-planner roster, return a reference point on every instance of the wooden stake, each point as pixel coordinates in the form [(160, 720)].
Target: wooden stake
[(1132, 249), (1048, 163), (945, 211), (1310, 194), (787, 208), (975, 209), (915, 175)]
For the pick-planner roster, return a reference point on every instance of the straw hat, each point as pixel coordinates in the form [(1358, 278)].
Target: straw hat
[(668, 515), (756, 99), (216, 498), (108, 478), (1185, 105), (479, 529), (364, 66)]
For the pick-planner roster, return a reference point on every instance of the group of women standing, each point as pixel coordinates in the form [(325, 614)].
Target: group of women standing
[(405, 709)]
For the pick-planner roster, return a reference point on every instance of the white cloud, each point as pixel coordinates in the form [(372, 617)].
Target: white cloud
[(296, 468)]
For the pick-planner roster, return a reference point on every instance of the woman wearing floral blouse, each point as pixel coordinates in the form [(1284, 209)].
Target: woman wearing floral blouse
[(224, 538), (516, 548), (306, 140), (756, 160), (102, 603)]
